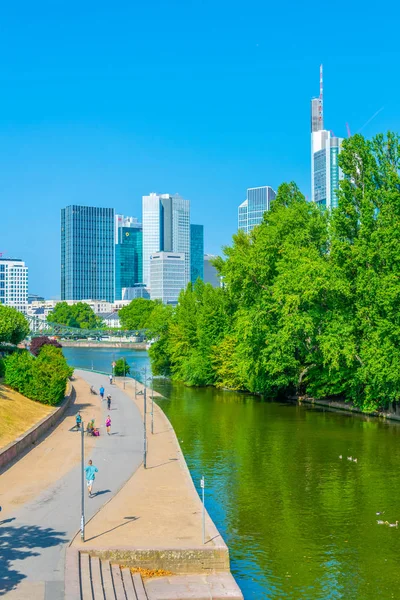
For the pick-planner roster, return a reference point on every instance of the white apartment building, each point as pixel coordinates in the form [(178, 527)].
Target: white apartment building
[(14, 283), (167, 276)]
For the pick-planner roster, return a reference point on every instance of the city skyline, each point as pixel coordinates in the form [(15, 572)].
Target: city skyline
[(77, 127)]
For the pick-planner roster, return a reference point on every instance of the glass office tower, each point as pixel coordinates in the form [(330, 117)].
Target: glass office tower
[(87, 253), (251, 211), (325, 149), (128, 254), (196, 252)]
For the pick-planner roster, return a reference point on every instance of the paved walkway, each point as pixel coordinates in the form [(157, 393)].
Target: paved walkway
[(159, 506), (40, 493)]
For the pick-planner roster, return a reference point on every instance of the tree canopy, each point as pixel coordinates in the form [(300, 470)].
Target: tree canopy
[(79, 315), (136, 314), (13, 325), (310, 303)]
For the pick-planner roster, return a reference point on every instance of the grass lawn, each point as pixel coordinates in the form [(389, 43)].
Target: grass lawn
[(18, 414)]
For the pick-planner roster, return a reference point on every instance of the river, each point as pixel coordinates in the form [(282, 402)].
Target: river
[(299, 521)]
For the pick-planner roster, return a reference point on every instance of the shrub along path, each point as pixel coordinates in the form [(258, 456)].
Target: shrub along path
[(18, 414), (40, 494)]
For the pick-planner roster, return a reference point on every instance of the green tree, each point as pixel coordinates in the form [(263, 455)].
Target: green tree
[(79, 315), (14, 327), (136, 315), (121, 367)]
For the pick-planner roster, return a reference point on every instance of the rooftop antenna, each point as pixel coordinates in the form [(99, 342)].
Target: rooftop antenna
[(321, 94)]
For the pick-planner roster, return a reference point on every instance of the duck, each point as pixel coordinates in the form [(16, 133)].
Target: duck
[(340, 456), (393, 524), (380, 513), (349, 458), (380, 522), (355, 459)]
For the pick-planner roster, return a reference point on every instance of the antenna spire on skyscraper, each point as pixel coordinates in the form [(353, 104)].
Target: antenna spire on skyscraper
[(321, 95)]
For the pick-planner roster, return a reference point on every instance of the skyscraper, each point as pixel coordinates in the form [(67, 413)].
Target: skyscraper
[(167, 276), (87, 253), (325, 148), (166, 227), (251, 211), (196, 252), (210, 272), (128, 253), (14, 283)]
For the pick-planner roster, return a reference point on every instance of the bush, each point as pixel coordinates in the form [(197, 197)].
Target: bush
[(43, 378), (38, 342), (121, 367)]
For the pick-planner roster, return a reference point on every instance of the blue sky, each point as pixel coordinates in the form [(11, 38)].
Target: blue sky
[(103, 102)]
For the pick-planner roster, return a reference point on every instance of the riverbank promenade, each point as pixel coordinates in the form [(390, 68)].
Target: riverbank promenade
[(149, 518)]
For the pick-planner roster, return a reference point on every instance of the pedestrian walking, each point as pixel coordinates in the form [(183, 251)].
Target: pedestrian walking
[(108, 424), (111, 379), (101, 390), (109, 402), (78, 420), (90, 476)]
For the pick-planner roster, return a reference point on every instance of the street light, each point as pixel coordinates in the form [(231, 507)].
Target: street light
[(152, 405), (82, 482)]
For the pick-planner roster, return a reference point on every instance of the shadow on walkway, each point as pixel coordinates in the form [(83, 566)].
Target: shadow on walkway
[(129, 520), (17, 543), (100, 493)]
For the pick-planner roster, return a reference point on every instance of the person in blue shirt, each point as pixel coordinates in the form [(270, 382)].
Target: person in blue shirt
[(101, 392), (90, 476), (78, 420)]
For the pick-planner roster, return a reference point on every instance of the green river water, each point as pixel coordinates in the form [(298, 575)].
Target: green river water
[(299, 521)]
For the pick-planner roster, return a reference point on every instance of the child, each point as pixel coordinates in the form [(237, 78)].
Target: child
[(108, 424), (78, 420)]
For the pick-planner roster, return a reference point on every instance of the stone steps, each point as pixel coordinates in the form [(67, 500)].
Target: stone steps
[(91, 578), (100, 580)]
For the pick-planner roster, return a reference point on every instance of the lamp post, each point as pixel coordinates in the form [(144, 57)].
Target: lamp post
[(82, 483), (144, 422), (152, 405)]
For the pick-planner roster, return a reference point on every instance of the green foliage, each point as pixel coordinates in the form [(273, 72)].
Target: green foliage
[(311, 299), (136, 315), (43, 378), (121, 368), (13, 326), (79, 315)]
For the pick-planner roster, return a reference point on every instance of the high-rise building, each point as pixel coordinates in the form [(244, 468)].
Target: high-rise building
[(14, 283), (210, 272), (325, 149), (166, 227), (128, 253), (196, 252), (87, 253), (251, 211), (167, 276)]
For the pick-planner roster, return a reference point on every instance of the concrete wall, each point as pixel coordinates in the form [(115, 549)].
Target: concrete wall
[(22, 443)]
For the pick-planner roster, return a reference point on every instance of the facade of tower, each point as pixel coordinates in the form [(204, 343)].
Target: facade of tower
[(325, 149), (196, 252), (14, 283), (87, 253), (128, 254), (166, 227), (251, 211)]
